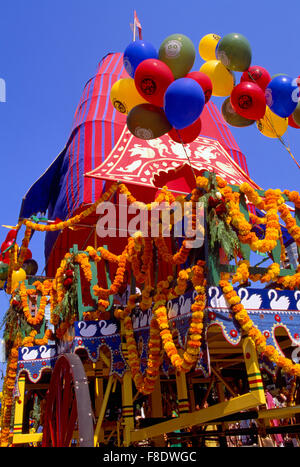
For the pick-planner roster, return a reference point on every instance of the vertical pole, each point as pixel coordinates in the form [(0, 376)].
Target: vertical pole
[(127, 400), (253, 371), (103, 409), (191, 393), (157, 410), (19, 407), (182, 393), (127, 408), (98, 368), (222, 426)]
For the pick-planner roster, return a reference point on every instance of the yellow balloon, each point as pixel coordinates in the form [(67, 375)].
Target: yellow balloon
[(221, 78), (17, 276), (207, 46), (124, 95), (272, 125)]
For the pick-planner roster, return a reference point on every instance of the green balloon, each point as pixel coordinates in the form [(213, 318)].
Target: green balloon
[(230, 116), (296, 114), (147, 121), (178, 52), (3, 271), (234, 51)]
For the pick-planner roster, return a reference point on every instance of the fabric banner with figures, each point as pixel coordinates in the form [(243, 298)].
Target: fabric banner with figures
[(138, 161)]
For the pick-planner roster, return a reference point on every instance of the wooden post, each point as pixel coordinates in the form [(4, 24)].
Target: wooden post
[(127, 399), (98, 368), (253, 370), (19, 407), (157, 410), (127, 408), (102, 410), (182, 393)]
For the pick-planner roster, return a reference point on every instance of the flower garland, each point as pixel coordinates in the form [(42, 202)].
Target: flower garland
[(23, 249), (140, 251), (118, 280), (259, 339), (238, 220), (191, 353), (290, 222), (8, 390), (73, 220), (32, 320), (83, 260), (294, 197), (242, 272), (144, 384)]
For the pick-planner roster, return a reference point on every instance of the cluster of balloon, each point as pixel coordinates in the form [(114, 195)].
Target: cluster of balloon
[(162, 94), (271, 102)]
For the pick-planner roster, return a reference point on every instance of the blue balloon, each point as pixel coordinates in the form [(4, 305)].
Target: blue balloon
[(183, 102), (282, 94), (135, 53)]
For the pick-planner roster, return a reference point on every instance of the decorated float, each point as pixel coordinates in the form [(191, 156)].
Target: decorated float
[(134, 309)]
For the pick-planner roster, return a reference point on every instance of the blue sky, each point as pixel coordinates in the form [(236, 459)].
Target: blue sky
[(49, 49)]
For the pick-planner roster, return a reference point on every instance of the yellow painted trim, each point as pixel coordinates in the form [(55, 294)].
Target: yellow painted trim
[(27, 438), (279, 413), (236, 404)]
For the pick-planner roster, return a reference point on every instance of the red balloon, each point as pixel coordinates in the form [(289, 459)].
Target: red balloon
[(248, 100), (292, 123), (204, 81), (11, 235), (152, 78), (258, 75), (4, 246), (188, 134)]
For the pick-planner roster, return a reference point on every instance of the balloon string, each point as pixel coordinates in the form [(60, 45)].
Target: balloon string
[(187, 156), (287, 147)]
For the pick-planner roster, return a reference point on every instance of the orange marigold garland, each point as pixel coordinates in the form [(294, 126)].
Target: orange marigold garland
[(118, 280), (74, 220), (8, 390), (259, 339), (144, 384), (32, 320), (190, 356)]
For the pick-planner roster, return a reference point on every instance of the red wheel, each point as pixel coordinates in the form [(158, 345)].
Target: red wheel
[(68, 405)]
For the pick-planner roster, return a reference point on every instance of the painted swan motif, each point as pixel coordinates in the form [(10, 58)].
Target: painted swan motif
[(250, 303), (107, 329), (185, 305), (144, 318), (87, 330), (296, 295), (217, 298), (47, 353), (172, 309), (29, 355), (278, 303)]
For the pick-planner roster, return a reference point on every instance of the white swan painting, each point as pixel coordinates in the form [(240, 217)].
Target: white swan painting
[(87, 330), (250, 303), (107, 329), (217, 298), (29, 354), (47, 353), (172, 309), (296, 295), (144, 318), (185, 305), (278, 303)]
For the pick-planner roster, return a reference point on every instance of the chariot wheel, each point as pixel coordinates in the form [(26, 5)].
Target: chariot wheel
[(68, 405)]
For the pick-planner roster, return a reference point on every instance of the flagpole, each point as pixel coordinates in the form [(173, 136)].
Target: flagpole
[(134, 28)]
